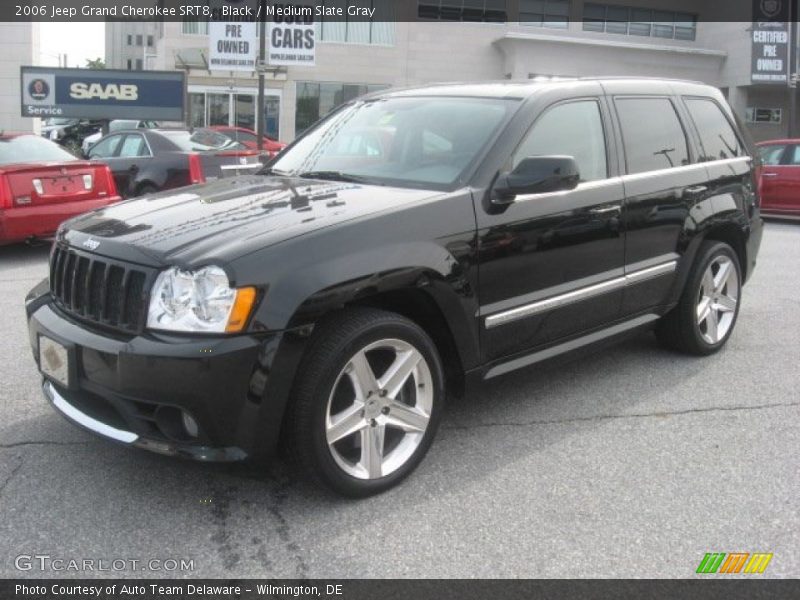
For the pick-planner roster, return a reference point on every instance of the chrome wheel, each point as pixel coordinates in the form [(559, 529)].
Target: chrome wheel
[(718, 298), (379, 409)]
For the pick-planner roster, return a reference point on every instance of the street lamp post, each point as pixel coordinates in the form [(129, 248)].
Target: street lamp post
[(262, 45)]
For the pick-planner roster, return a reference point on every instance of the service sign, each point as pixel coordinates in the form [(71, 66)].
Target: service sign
[(770, 42), (102, 93), (233, 46), (292, 36)]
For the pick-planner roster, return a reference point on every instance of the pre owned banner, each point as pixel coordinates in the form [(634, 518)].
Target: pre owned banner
[(233, 46), (101, 94), (770, 42)]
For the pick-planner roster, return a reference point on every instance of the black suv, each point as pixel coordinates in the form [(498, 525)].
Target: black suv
[(407, 244)]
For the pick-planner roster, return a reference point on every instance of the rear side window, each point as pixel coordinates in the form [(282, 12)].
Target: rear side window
[(717, 136), (574, 129), (771, 155), (653, 135)]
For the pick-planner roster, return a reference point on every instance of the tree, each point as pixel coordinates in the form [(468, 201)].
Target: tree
[(97, 63)]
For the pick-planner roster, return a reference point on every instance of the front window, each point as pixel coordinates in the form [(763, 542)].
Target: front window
[(415, 142)]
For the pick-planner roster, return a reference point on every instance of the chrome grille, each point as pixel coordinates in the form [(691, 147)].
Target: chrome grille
[(98, 289)]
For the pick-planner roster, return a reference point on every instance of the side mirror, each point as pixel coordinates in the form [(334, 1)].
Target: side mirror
[(536, 175)]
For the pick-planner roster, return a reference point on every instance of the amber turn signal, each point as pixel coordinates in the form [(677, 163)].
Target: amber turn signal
[(242, 307)]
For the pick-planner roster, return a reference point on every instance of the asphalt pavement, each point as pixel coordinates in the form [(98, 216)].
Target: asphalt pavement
[(633, 462)]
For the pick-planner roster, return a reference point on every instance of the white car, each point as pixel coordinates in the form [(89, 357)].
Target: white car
[(117, 125)]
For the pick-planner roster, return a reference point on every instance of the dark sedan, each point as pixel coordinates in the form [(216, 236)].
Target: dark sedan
[(147, 161)]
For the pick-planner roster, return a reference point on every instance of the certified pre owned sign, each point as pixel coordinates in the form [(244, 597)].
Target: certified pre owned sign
[(102, 94)]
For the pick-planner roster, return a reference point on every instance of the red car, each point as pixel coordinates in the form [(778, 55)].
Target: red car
[(41, 185), (780, 177), (249, 138)]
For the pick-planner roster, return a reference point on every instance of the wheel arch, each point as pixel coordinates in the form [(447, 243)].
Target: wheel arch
[(732, 235), (418, 294)]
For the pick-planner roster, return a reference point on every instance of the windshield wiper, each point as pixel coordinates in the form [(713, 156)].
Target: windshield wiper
[(334, 176)]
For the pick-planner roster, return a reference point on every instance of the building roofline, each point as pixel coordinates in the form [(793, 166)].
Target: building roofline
[(625, 45)]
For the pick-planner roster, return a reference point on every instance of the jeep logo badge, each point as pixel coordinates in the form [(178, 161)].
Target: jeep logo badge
[(91, 244)]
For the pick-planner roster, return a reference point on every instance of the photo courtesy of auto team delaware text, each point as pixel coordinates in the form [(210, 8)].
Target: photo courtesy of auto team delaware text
[(367, 292)]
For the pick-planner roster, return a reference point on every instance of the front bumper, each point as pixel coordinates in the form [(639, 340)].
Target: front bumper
[(134, 390)]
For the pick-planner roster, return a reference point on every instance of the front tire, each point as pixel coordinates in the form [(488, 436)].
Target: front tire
[(706, 314), (367, 401)]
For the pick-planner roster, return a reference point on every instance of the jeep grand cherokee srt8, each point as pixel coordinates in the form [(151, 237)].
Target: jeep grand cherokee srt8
[(407, 244)]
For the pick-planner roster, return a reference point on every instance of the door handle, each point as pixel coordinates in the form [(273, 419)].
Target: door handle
[(697, 189), (769, 174), (605, 210)]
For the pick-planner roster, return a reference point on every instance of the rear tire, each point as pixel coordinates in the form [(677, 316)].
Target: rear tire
[(706, 314), (367, 401)]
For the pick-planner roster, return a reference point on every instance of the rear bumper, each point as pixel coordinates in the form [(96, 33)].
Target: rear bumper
[(25, 222), (135, 390)]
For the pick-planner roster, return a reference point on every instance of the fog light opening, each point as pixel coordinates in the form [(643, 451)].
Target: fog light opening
[(190, 425), (177, 425)]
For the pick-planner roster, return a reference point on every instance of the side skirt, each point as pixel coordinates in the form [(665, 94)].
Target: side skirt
[(569, 346)]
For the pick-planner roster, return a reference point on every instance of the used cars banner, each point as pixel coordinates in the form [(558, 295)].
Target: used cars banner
[(102, 94)]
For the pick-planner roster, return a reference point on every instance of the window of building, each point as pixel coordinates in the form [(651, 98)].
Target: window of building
[(625, 20), (194, 27), (244, 106), (315, 100), (544, 13), (660, 145), (573, 129), (197, 108), (763, 115), (150, 41), (139, 64), (717, 136), (139, 40), (377, 30), (218, 109), (130, 64), (489, 11), (130, 40)]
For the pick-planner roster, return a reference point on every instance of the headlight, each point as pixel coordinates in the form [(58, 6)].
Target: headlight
[(55, 134), (199, 301)]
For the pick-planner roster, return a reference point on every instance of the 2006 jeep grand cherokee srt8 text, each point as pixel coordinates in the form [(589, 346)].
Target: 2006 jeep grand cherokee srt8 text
[(408, 242)]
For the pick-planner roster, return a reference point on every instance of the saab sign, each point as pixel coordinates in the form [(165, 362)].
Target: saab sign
[(102, 94)]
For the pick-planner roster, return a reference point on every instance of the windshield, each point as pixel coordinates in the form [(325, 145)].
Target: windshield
[(420, 141), (31, 148), (201, 140)]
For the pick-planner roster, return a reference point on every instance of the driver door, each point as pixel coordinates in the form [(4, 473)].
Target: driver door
[(551, 263)]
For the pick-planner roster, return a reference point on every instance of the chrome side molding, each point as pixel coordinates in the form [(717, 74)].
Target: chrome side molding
[(548, 304)]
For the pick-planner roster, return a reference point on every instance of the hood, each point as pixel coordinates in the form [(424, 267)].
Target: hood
[(227, 218)]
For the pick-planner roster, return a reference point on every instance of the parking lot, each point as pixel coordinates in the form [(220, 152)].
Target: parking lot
[(634, 462)]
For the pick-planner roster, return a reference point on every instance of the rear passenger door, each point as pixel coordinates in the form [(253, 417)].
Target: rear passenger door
[(662, 181), (550, 263), (133, 156)]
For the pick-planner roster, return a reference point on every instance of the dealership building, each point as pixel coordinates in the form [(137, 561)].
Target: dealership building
[(425, 41)]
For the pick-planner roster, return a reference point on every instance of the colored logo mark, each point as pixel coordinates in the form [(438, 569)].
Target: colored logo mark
[(734, 562)]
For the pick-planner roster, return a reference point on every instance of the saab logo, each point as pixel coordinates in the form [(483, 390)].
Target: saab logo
[(38, 89), (736, 562), (91, 244), (88, 91), (770, 8)]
